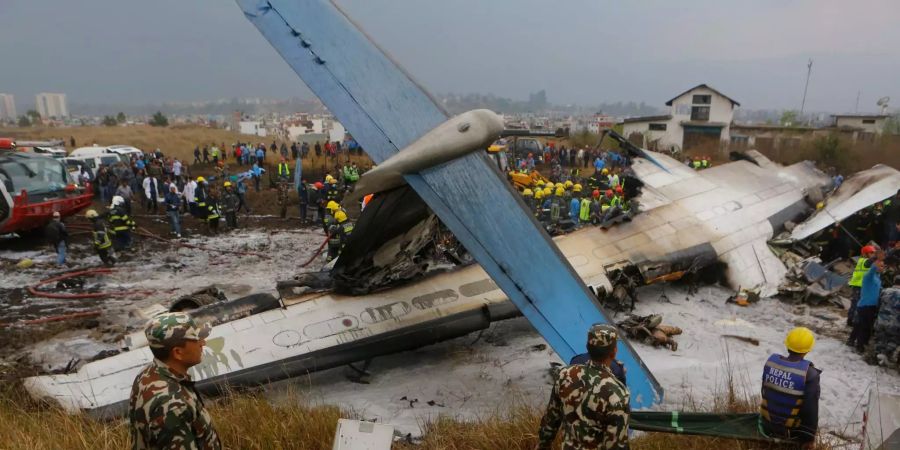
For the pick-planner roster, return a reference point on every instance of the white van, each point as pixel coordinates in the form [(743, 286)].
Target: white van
[(92, 162), (112, 149)]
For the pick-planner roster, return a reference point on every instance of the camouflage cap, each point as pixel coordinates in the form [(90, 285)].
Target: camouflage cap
[(602, 336), (173, 328)]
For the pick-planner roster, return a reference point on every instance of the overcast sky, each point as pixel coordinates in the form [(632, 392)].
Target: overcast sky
[(580, 51)]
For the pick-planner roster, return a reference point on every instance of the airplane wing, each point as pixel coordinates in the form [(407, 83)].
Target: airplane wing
[(387, 111), (856, 193)]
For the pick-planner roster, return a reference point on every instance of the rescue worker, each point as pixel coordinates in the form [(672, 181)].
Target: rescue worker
[(528, 197), (614, 179), (333, 193), (346, 225), (584, 214), (201, 194), (596, 207), (230, 204), (556, 206), (335, 240), (697, 164), (328, 217), (538, 202), (867, 307), (575, 206), (165, 410), (100, 236), (855, 282), (121, 224), (207, 208), (588, 401), (284, 186), (790, 392)]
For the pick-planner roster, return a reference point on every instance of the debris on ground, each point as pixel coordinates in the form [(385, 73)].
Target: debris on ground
[(650, 330)]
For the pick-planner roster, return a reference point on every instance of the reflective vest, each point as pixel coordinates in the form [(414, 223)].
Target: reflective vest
[(348, 228), (101, 239), (697, 164), (354, 174), (704, 163), (613, 181), (283, 169), (585, 213), (616, 201), (858, 272), (554, 211), (119, 220), (783, 384)]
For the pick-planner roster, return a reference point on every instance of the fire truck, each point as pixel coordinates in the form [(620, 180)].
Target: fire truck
[(32, 187)]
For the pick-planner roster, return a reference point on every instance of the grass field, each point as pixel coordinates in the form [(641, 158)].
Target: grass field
[(248, 421)]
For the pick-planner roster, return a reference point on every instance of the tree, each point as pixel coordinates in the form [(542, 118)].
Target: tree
[(110, 121), (159, 120), (789, 118), (120, 117), (33, 116), (24, 122)]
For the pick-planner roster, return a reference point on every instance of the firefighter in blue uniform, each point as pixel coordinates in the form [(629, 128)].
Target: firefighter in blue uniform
[(790, 392)]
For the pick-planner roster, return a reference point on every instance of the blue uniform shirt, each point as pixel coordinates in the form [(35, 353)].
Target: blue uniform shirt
[(871, 288)]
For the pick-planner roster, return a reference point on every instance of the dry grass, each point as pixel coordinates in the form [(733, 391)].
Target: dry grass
[(846, 156)]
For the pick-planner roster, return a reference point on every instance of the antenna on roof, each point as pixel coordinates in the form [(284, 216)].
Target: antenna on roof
[(883, 103)]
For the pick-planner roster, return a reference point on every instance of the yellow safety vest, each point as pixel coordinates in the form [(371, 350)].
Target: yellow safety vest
[(858, 272), (283, 169)]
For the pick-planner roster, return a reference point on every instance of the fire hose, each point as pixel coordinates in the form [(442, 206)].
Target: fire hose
[(317, 253), (33, 290)]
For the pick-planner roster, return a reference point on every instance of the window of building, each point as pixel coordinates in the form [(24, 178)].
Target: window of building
[(702, 99), (869, 121), (700, 113), (657, 127)]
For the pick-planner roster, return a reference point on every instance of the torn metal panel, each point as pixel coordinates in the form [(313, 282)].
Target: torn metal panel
[(856, 193)]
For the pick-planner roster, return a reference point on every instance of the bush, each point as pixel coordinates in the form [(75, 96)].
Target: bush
[(159, 120)]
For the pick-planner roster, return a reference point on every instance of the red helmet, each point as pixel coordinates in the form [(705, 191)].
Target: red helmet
[(618, 189), (595, 194), (319, 185), (609, 193), (867, 250)]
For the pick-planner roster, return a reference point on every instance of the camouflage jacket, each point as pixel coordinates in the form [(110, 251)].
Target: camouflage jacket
[(165, 412), (591, 405)]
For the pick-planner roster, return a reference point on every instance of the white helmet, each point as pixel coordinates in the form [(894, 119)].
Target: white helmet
[(118, 200)]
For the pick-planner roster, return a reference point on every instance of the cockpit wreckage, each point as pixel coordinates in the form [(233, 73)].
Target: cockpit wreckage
[(446, 246)]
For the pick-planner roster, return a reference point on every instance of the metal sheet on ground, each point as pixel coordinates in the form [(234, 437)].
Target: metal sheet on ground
[(386, 111)]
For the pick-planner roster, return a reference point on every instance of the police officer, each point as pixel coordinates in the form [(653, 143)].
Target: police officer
[(790, 392), (590, 388), (100, 235), (165, 410)]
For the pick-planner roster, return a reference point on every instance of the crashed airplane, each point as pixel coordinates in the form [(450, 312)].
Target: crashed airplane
[(689, 220), (386, 293)]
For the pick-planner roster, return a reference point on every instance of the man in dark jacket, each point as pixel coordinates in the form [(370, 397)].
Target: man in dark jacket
[(303, 194), (57, 237), (230, 204), (173, 209)]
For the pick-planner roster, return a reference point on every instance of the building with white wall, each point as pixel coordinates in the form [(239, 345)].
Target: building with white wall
[(7, 106), (866, 123), (253, 127), (51, 105), (699, 119)]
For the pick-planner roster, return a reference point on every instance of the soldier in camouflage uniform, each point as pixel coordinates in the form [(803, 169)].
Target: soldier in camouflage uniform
[(885, 347), (588, 401), (165, 410)]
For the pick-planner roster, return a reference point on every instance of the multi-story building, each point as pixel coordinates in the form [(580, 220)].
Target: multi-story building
[(51, 105), (7, 106)]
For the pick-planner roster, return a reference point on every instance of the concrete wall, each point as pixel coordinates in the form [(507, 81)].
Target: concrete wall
[(858, 122), (720, 110), (665, 139)]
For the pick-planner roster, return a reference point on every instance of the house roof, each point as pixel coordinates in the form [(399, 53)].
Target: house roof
[(733, 101), (647, 119)]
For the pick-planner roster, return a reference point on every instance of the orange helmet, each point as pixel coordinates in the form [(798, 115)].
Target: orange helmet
[(609, 193)]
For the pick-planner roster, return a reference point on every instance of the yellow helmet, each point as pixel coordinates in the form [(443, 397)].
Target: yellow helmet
[(568, 184), (201, 179), (328, 178), (605, 171), (538, 194), (227, 184), (340, 216), (332, 205), (527, 193), (560, 192), (547, 191), (577, 187), (539, 183), (91, 214), (820, 205), (549, 185), (800, 340)]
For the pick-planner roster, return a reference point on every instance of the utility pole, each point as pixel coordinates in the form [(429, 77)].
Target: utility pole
[(806, 86)]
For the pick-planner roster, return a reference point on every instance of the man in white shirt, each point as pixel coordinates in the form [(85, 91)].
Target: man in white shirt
[(176, 168), (190, 202)]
